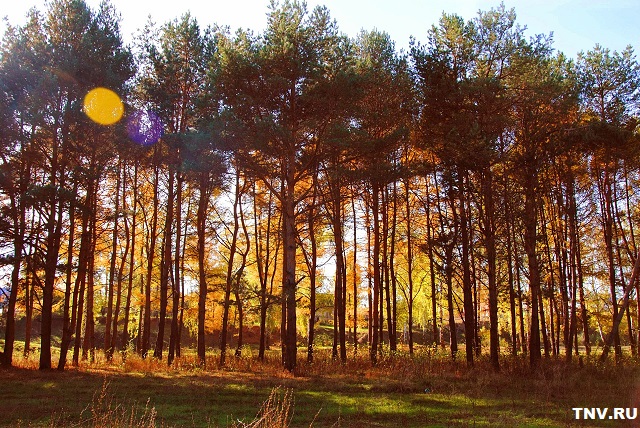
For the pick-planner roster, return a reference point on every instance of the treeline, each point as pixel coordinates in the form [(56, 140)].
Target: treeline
[(480, 179)]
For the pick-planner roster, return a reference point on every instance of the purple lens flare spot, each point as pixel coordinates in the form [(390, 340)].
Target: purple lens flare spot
[(145, 127)]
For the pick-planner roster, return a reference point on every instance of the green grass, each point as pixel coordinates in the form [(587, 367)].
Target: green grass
[(423, 391)]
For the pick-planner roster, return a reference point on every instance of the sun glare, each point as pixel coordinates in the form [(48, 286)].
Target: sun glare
[(103, 106)]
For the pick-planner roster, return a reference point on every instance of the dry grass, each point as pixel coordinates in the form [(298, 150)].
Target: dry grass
[(276, 411), (105, 412), (427, 387)]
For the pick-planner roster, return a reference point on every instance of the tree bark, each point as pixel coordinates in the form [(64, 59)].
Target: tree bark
[(201, 222), (127, 307)]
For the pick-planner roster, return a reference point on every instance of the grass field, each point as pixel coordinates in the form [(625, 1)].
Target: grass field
[(401, 391)]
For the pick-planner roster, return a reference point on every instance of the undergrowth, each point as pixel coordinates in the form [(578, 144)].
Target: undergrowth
[(428, 383)]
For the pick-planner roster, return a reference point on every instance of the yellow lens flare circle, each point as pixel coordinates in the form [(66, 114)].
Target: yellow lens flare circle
[(103, 106)]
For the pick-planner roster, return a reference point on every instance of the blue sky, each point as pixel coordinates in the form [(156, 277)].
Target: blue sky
[(577, 24)]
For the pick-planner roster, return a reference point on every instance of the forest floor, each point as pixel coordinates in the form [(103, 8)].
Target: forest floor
[(424, 390)]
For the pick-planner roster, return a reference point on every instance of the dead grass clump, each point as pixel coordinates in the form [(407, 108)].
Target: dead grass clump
[(134, 363), (30, 362), (276, 411), (104, 412)]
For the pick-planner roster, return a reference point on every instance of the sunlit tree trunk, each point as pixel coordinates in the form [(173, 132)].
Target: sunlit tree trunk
[(201, 227), (150, 251), (88, 343), (467, 290), (18, 217), (127, 307), (112, 267), (175, 291), (67, 327), (127, 237), (375, 260), (230, 265)]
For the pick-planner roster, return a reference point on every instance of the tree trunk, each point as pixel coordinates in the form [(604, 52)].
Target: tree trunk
[(376, 273), (88, 344), (393, 332), (116, 315), (490, 245), (354, 268), (410, 265), (510, 280), (165, 266), (607, 217), (18, 211), (289, 267), (67, 327), (432, 269), (625, 302), (175, 293), (151, 249), (127, 307), (313, 266), (81, 274), (340, 285), (230, 276), (53, 230), (530, 240), (112, 268), (467, 291), (238, 286), (201, 222)]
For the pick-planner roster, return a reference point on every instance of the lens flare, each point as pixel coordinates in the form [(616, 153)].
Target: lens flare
[(144, 127), (103, 106)]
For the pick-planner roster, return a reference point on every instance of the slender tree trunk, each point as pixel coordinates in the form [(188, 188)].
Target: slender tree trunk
[(175, 293), (432, 268), (410, 264), (263, 262), (490, 245), (127, 236), (165, 266), (201, 222), (89, 345), (543, 323), (340, 276), (151, 249), (531, 235), (53, 230), (453, 333), (607, 214), (523, 336), (238, 283), (510, 281), (313, 267), (67, 327), (230, 275), (551, 328), (625, 302), (182, 282), (386, 278), (81, 274), (18, 210), (376, 273), (289, 266), (127, 307), (393, 332), (28, 298), (354, 268), (467, 290), (370, 281), (450, 246), (112, 268)]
